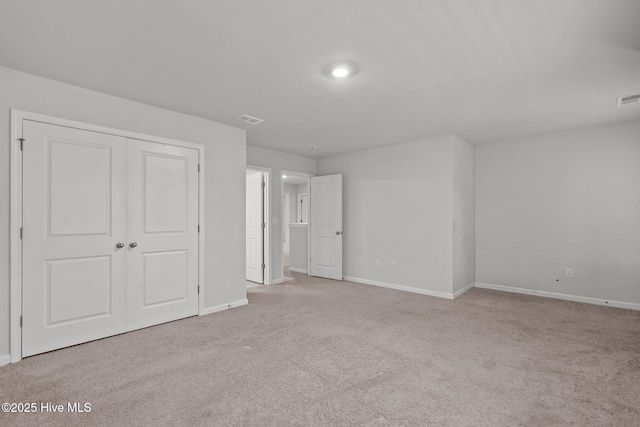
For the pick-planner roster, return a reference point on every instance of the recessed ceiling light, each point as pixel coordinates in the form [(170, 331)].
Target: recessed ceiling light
[(340, 69), (340, 72), (284, 176)]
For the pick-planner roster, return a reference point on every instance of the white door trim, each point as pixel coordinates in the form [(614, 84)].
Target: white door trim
[(266, 173), (308, 176), (15, 252)]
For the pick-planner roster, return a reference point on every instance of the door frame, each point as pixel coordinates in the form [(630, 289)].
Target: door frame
[(299, 207), (308, 176), (266, 217), (15, 215), (286, 201)]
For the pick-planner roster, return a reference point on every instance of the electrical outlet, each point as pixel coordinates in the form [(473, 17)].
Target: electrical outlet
[(377, 262), (568, 272), (394, 264)]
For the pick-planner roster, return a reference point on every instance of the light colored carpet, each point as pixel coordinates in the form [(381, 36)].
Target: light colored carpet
[(319, 352), (287, 275)]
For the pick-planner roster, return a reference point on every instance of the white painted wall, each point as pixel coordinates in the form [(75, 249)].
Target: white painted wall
[(562, 200), (292, 190), (278, 162), (398, 205), (303, 188), (299, 257), (225, 172), (463, 215)]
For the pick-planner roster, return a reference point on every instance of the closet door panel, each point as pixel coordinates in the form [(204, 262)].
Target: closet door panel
[(74, 195), (162, 224)]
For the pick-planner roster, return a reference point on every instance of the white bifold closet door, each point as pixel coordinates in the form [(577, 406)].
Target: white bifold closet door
[(74, 214), (162, 233), (94, 263)]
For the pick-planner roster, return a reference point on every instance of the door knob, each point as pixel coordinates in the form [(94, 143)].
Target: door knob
[(338, 233), (133, 244), (119, 245)]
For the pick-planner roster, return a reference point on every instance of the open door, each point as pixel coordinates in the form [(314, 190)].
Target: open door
[(255, 229), (303, 208), (326, 227)]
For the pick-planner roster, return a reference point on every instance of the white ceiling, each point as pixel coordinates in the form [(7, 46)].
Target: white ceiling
[(486, 70)]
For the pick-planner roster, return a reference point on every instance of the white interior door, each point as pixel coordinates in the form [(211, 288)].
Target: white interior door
[(303, 208), (326, 226), (73, 275), (162, 233), (255, 233)]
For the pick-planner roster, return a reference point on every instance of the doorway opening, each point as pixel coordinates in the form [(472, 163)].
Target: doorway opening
[(295, 223), (257, 227)]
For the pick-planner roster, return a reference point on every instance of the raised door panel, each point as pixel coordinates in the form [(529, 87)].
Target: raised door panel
[(74, 287), (85, 279), (165, 277), (79, 188), (165, 193)]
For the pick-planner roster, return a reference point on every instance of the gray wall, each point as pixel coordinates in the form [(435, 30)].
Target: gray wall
[(398, 205), (277, 162), (562, 200), (299, 257), (464, 262), (292, 190), (225, 172)]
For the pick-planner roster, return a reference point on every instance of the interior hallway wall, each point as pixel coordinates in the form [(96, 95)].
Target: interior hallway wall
[(564, 200), (292, 190), (224, 164)]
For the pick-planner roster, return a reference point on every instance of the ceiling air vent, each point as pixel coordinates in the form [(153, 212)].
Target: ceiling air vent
[(631, 99), (249, 119)]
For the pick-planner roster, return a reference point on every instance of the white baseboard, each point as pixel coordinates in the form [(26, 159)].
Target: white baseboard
[(401, 288), (5, 359), (298, 270), (546, 294), (463, 290), (276, 281), (223, 307)]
